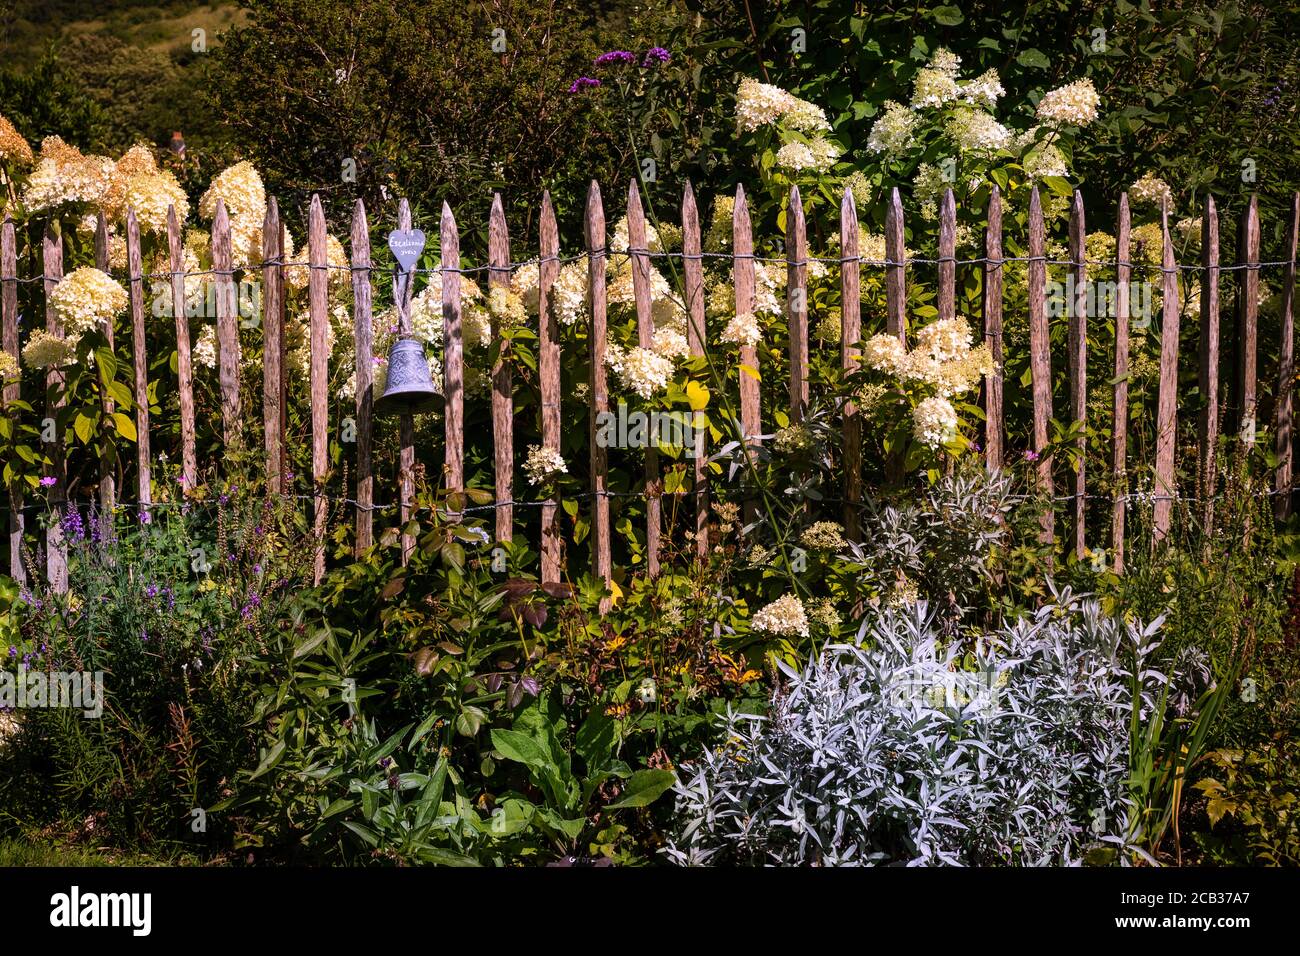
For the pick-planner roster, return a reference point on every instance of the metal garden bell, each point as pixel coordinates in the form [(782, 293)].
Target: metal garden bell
[(410, 387)]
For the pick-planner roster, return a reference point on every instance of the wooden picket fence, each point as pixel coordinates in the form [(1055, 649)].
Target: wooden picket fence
[(499, 266)]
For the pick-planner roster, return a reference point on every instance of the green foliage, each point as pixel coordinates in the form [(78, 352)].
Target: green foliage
[(166, 610)]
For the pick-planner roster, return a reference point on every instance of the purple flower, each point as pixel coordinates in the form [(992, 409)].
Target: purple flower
[(73, 529), (386, 762), (583, 83), (1031, 456), (257, 569), (13, 651), (151, 591), (615, 56), (974, 446), (654, 55), (49, 481)]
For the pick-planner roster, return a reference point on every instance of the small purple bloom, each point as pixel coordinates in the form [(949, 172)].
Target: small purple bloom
[(615, 56), (257, 569), (584, 83), (386, 762), (49, 481), (1031, 456), (656, 54), (13, 651)]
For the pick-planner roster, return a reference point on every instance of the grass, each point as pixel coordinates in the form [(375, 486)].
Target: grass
[(44, 848)]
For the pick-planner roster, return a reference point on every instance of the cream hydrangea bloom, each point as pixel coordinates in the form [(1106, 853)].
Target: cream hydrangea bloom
[(298, 276), (934, 421), (893, 132), (543, 464), (1151, 190), (151, 195), (9, 368), (87, 299), (1075, 104), (742, 330), (784, 617), (44, 350), (758, 104), (65, 175), (204, 349), (14, 148), (640, 370), (240, 187), (823, 536)]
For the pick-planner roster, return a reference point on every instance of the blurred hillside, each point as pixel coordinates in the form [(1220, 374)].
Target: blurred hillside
[(140, 66)]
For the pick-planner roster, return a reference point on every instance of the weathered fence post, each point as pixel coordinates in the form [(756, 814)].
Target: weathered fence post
[(184, 357), (139, 350), (1167, 402), (1078, 349), (645, 330), (895, 303), (594, 228), (742, 274), (12, 388), (364, 349), (273, 253), (850, 335), (696, 337), (1040, 362), (453, 356), (1209, 363), (895, 269), (318, 312), (796, 297), (1286, 371), (1119, 422), (503, 435), (993, 386), (56, 548), (1248, 323), (227, 325), (947, 270), (108, 450), (548, 373)]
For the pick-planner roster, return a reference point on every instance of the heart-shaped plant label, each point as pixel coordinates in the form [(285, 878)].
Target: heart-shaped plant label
[(407, 244)]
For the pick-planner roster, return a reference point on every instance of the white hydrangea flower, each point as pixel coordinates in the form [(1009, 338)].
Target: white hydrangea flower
[(758, 104), (204, 350), (934, 421), (975, 131), (671, 343), (893, 132), (885, 353), (742, 330), (640, 370), (1151, 190), (806, 117), (87, 299), (983, 91), (543, 464), (784, 617), (1075, 104)]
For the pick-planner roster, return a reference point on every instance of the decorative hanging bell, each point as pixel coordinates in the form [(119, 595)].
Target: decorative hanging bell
[(410, 387)]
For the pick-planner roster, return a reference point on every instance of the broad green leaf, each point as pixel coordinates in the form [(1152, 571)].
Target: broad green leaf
[(644, 788)]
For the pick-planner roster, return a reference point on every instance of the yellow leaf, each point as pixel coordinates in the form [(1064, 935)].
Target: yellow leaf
[(697, 395), (752, 373), (616, 591)]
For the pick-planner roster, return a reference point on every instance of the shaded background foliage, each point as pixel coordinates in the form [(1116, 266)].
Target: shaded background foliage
[(426, 108)]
